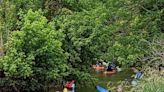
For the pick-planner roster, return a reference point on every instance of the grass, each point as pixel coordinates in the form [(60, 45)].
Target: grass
[(153, 81)]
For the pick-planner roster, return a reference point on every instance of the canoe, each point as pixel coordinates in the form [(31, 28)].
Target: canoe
[(100, 89), (110, 72), (98, 67)]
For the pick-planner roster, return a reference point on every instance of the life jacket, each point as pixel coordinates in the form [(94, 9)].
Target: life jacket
[(69, 84), (65, 90)]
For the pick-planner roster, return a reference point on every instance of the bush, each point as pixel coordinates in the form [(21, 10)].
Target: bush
[(34, 56), (152, 82)]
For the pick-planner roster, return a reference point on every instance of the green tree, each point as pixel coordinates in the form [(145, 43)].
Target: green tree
[(34, 55), (7, 22)]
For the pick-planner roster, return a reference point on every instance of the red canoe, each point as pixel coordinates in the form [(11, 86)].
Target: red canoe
[(110, 72), (98, 67)]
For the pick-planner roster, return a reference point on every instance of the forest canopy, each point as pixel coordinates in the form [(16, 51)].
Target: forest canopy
[(47, 41)]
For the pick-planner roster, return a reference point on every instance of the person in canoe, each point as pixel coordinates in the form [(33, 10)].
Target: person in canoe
[(110, 67), (110, 70), (138, 74), (69, 86), (99, 63)]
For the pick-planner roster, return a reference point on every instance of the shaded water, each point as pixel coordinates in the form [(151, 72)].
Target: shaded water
[(103, 80)]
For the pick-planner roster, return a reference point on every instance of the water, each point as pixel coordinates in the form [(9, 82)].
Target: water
[(104, 79)]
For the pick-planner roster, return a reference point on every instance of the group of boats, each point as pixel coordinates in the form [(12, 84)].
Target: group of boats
[(135, 81), (103, 68), (108, 69)]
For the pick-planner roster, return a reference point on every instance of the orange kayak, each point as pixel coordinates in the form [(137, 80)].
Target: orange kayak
[(110, 72), (98, 67)]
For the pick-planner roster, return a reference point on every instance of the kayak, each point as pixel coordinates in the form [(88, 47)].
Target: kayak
[(100, 89), (98, 67), (110, 72)]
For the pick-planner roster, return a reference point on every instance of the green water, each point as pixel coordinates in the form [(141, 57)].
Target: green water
[(103, 80)]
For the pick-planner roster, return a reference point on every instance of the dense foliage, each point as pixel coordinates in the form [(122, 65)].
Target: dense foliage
[(45, 41), (34, 53)]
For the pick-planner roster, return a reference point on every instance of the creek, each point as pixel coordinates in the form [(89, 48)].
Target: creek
[(103, 80)]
